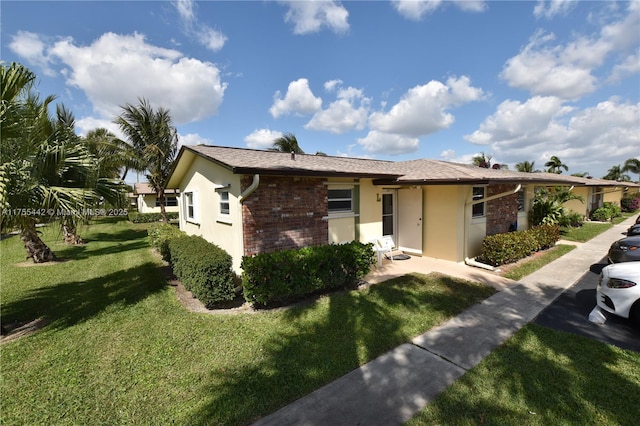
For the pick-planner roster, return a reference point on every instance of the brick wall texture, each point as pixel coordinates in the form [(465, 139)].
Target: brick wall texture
[(284, 213), (501, 212)]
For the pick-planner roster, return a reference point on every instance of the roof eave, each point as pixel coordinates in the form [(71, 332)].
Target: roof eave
[(308, 173)]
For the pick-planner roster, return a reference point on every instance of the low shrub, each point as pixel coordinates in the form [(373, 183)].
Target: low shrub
[(136, 217), (571, 220), (203, 268), (510, 247), (159, 236), (606, 213), (630, 204), (289, 275)]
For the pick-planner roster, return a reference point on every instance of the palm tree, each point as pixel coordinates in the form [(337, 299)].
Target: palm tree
[(632, 165), (555, 165), (114, 155), (43, 170), (616, 173), (526, 167), (286, 143), (155, 142), (482, 160)]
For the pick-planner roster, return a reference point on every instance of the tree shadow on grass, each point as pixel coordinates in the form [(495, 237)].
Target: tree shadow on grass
[(542, 376), (354, 327), (86, 251), (118, 236), (70, 303)]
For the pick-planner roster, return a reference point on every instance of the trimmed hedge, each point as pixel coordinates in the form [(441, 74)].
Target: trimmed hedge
[(289, 275), (506, 248), (136, 217), (160, 234), (203, 268)]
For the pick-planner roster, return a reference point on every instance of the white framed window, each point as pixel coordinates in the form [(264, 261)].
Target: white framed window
[(169, 201), (189, 206), (477, 210), (340, 200), (224, 203)]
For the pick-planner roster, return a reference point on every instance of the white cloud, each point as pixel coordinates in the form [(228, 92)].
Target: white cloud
[(549, 9), (331, 85), (386, 143), (85, 124), (31, 47), (415, 9), (299, 99), (119, 69), (192, 139), (546, 71), (448, 154), (628, 67), (607, 133), (262, 138), (567, 71), (516, 123), (423, 109), (310, 16), (348, 112), (208, 37)]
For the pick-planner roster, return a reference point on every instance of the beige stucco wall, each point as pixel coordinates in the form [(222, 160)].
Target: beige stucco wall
[(443, 222), (222, 230), (370, 220), (578, 206), (613, 195)]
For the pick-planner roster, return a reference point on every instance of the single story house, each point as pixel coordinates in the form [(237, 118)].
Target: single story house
[(147, 200), (251, 201), (596, 192)]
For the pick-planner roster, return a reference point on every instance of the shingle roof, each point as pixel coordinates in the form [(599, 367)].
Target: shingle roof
[(146, 189), (436, 171), (421, 171), (249, 161)]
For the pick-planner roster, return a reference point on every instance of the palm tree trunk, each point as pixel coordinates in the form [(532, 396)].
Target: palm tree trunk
[(35, 247), (69, 233), (163, 210)]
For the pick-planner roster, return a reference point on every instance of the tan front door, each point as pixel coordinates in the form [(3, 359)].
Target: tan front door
[(409, 235)]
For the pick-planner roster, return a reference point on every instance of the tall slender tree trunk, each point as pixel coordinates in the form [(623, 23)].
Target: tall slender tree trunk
[(69, 233), (163, 210), (35, 247)]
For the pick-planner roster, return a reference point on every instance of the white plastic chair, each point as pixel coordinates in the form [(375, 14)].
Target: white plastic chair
[(383, 246)]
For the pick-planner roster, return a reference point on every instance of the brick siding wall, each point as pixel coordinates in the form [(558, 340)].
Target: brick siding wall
[(501, 212), (284, 213)]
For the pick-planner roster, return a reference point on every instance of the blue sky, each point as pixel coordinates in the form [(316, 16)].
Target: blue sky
[(396, 80)]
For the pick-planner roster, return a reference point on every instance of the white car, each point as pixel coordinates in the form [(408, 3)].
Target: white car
[(618, 291)]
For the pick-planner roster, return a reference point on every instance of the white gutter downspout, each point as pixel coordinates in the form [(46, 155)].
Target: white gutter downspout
[(493, 197), (250, 189), (616, 189), (472, 262)]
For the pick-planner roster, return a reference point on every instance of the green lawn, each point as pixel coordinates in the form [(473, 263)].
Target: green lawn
[(543, 377), (534, 264), (585, 232), (119, 348), (591, 229)]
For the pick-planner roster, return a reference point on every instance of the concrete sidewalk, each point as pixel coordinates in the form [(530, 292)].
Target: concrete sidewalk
[(393, 387)]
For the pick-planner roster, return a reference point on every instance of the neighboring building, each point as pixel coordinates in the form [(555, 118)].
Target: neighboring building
[(147, 200), (251, 201), (596, 192)]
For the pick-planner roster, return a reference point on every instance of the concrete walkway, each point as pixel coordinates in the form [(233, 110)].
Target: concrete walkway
[(393, 387)]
